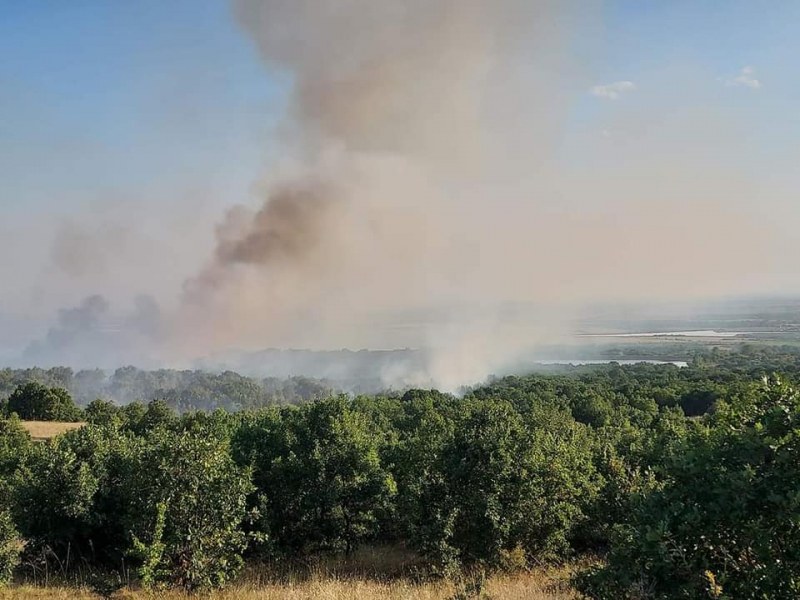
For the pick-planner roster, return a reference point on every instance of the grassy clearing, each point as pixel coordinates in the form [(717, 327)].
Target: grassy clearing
[(377, 573), (44, 430), (528, 586)]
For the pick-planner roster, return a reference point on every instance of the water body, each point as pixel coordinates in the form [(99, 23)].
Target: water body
[(701, 333), (580, 361)]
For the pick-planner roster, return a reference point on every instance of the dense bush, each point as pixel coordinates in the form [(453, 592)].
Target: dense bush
[(522, 471), (101, 412), (725, 520), (69, 503), (15, 445), (318, 468), (505, 486), (186, 501), (174, 501), (36, 402), (10, 546), (14, 448)]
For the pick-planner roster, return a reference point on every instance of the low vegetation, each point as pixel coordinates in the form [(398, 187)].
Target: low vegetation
[(680, 483), (323, 586)]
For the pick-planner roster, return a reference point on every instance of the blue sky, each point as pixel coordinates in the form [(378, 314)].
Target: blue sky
[(98, 96), (109, 111), (107, 95)]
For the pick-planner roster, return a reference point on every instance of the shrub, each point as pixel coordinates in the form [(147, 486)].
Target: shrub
[(319, 476), (15, 444), (69, 501), (35, 402), (725, 522), (186, 501), (10, 546), (101, 412), (506, 489)]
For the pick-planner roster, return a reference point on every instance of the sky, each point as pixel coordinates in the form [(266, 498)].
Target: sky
[(113, 109), (128, 129)]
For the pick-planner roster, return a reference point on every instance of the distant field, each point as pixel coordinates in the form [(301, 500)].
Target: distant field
[(44, 430)]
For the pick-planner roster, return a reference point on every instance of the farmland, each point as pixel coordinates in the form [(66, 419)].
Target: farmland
[(45, 430)]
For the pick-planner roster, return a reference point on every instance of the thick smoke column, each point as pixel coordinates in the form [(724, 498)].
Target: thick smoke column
[(422, 172), (284, 231), (397, 118)]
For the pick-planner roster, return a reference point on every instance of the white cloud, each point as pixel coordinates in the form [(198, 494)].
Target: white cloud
[(612, 91), (745, 78)]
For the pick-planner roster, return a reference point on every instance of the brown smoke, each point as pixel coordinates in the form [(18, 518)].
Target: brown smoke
[(286, 228), (424, 138)]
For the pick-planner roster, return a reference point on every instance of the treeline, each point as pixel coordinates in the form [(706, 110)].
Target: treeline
[(694, 388), (182, 390), (593, 390), (521, 472)]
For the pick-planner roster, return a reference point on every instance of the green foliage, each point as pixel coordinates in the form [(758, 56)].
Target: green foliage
[(725, 520), (101, 412), (151, 554), (69, 500), (320, 471), (131, 416), (187, 500), (96, 492), (10, 546), (15, 445), (505, 484), (521, 471), (157, 415), (35, 402)]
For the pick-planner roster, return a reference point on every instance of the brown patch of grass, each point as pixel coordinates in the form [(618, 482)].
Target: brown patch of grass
[(44, 430), (382, 573), (524, 586)]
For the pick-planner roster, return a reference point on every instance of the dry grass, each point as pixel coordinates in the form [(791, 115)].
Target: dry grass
[(44, 430), (383, 573), (525, 586)]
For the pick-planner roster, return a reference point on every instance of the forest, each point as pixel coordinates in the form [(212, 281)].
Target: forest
[(659, 481)]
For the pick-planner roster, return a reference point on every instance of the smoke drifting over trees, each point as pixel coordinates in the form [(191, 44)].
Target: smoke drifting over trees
[(90, 335), (423, 171)]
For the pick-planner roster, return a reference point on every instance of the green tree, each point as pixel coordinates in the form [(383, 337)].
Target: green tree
[(15, 445), (131, 416), (322, 477), (10, 546), (507, 488), (69, 500), (158, 414), (186, 502), (36, 402), (725, 520), (102, 412)]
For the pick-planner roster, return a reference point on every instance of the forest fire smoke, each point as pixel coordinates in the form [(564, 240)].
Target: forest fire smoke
[(418, 131), (433, 191)]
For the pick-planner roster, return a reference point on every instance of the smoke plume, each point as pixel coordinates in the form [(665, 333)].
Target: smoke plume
[(439, 187), (422, 175), (90, 335)]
